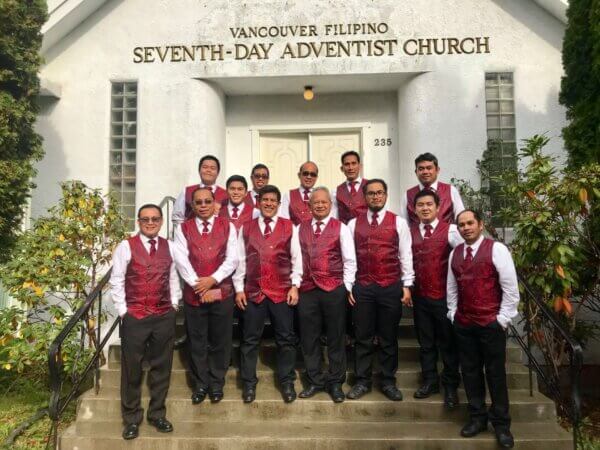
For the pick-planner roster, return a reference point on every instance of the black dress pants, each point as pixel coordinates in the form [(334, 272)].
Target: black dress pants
[(434, 332), (484, 347), (150, 339), (209, 328), (282, 320), (317, 308), (377, 312)]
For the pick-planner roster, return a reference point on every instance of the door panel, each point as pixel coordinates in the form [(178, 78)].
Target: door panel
[(283, 154), (326, 150)]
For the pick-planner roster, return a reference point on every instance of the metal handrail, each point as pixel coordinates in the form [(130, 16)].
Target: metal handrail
[(575, 360)]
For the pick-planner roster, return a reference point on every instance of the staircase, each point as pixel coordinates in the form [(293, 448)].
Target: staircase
[(372, 422)]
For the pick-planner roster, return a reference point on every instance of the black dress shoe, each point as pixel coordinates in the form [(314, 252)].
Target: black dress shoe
[(450, 398), (131, 431), (392, 392), (310, 391), (427, 389), (162, 425), (336, 393), (505, 438), (473, 428), (288, 392), (249, 394), (358, 390), (198, 396), (215, 396)]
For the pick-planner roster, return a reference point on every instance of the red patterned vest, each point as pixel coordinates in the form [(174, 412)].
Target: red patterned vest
[(377, 251), (206, 253), (479, 291), (430, 260), (445, 211), (299, 211), (219, 192), (321, 257), (268, 261), (350, 205), (244, 217), (250, 200), (147, 290)]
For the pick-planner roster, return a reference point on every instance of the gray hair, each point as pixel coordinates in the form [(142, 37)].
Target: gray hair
[(323, 189)]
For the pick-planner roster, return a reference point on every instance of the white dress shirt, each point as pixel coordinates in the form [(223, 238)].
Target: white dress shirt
[(240, 207), (457, 203), (507, 276), (121, 259), (178, 215), (404, 244), (335, 207), (254, 197), (182, 259), (296, 254), (348, 250), (454, 237), (284, 208)]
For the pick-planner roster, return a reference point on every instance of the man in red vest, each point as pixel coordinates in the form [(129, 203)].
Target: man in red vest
[(427, 170), (432, 242), (208, 168), (349, 200), (329, 267), (145, 291), (260, 178), (236, 208), (383, 280), (483, 295), (206, 256), (294, 205), (266, 283)]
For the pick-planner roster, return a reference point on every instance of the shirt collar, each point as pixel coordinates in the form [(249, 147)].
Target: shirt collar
[(434, 185), (380, 214), (358, 181), (433, 224), (301, 190), (325, 221), (146, 240), (475, 245), (261, 220), (240, 207), (210, 221)]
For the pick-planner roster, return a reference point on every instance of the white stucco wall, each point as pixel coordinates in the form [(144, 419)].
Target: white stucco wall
[(442, 110)]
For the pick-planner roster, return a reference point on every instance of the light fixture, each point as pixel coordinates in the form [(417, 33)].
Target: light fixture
[(308, 93)]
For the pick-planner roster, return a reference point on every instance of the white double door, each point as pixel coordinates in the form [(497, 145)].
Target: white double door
[(283, 153)]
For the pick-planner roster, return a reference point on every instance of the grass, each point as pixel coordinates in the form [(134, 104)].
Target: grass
[(19, 400)]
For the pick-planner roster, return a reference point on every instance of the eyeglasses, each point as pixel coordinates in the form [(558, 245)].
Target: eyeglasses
[(203, 202), (147, 220), (376, 193), (310, 174), (260, 176)]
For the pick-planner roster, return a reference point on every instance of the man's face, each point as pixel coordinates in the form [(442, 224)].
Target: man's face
[(376, 196), (268, 205), (209, 171), (351, 167), (150, 221), (308, 175), (469, 228), (236, 192), (260, 178), (320, 204), (204, 204), (427, 172), (426, 209)]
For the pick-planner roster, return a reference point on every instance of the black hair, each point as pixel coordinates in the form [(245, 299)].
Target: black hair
[(269, 189), (476, 214), (150, 205), (202, 188), (260, 166), (429, 157), (427, 193), (239, 178), (350, 153), (372, 181), (209, 158)]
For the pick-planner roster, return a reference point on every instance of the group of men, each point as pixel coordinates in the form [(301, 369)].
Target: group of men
[(319, 257)]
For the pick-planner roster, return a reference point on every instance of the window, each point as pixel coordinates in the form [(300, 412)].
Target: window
[(123, 145), (501, 153)]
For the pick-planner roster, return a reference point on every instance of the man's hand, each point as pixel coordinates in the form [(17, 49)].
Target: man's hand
[(203, 284), (351, 299), (407, 297), (240, 300), (292, 296)]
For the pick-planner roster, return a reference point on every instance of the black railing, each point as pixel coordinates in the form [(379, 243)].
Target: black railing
[(80, 323), (542, 328)]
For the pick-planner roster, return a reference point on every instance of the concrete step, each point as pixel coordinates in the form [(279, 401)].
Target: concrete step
[(373, 407), (408, 376), (408, 351), (259, 435)]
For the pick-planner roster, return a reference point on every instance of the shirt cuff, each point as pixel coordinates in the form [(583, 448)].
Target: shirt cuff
[(503, 321), (218, 276), (450, 315), (122, 310), (348, 286)]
